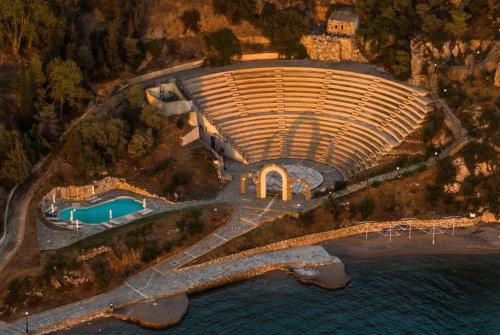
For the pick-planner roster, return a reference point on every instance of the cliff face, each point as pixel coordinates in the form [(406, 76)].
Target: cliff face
[(164, 20), (465, 55)]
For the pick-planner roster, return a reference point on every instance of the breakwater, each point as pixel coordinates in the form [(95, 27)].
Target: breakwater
[(151, 284)]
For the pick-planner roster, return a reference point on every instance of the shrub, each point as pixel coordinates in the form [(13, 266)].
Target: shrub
[(102, 273), (141, 143), (235, 10), (167, 246), (222, 44), (54, 265), (150, 251), (195, 227), (447, 171), (434, 193), (180, 178), (191, 20), (306, 217), (340, 185), (477, 152), (130, 269), (154, 48), (366, 207), (432, 125)]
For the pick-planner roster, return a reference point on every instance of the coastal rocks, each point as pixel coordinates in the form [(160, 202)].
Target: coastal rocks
[(329, 276), (159, 314)]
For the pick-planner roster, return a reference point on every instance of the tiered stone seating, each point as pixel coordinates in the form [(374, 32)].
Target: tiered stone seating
[(343, 118)]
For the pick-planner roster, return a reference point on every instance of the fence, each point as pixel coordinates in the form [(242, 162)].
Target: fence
[(360, 228)]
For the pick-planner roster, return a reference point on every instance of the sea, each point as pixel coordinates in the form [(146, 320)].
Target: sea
[(419, 294)]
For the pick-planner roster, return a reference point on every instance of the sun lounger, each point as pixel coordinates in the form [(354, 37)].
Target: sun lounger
[(146, 211), (107, 225), (94, 199)]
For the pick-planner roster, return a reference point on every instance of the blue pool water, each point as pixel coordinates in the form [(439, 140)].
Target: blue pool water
[(100, 213), (446, 294)]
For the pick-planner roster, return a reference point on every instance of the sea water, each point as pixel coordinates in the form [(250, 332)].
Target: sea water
[(446, 294)]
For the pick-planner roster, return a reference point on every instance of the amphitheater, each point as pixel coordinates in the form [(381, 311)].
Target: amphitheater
[(345, 115)]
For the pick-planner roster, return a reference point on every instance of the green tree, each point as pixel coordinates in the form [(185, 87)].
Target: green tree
[(131, 51), (64, 80), (16, 166), (151, 117), (142, 142), (95, 145), (191, 20), (23, 22), (25, 117), (284, 29), (85, 58), (458, 24), (235, 10), (111, 45), (366, 207), (447, 171), (48, 124), (477, 152), (401, 66), (222, 45), (135, 97)]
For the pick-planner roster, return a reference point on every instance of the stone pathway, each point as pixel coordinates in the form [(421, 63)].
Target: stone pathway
[(152, 283)]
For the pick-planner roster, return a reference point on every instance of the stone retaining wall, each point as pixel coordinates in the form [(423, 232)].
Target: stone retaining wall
[(107, 184), (360, 228)]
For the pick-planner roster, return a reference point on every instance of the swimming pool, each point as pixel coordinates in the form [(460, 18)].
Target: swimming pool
[(100, 213)]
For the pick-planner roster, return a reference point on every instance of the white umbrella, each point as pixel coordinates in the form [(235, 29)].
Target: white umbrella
[(110, 214), (144, 203), (52, 208)]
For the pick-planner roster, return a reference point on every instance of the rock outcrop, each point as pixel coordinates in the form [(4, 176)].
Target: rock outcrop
[(471, 55), (332, 48)]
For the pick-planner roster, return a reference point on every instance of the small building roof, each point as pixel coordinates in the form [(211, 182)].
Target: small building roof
[(344, 14)]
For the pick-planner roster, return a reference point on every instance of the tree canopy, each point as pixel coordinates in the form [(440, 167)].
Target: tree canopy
[(24, 22), (64, 80), (222, 44)]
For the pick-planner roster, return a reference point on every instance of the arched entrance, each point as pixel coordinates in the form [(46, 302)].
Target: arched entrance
[(261, 181)]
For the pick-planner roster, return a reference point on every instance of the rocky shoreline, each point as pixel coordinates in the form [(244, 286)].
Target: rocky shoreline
[(159, 314), (168, 312)]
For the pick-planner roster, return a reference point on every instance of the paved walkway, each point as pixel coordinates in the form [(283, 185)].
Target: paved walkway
[(153, 283)]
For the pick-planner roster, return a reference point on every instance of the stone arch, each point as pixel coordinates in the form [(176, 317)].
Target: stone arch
[(285, 178)]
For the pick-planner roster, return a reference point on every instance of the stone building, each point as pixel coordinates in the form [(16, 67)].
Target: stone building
[(342, 22), (339, 43)]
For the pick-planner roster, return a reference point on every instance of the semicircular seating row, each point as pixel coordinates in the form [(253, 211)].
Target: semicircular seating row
[(341, 118)]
